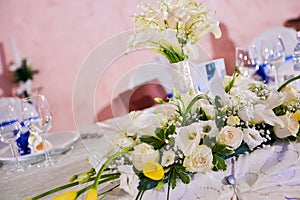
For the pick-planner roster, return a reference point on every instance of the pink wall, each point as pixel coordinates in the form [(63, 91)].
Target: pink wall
[(57, 36)]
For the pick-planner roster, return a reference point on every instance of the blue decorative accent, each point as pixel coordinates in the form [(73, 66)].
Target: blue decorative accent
[(170, 95), (210, 70), (288, 58), (8, 123), (22, 141)]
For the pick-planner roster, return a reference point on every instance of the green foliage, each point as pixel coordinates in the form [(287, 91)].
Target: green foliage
[(218, 163), (157, 143), (220, 113), (222, 149), (24, 72)]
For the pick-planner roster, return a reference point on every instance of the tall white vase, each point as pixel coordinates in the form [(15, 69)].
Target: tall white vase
[(182, 76)]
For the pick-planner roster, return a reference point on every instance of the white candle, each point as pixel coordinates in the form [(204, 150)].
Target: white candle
[(17, 59)]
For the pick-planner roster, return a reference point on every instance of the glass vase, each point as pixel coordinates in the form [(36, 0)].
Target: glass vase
[(182, 76)]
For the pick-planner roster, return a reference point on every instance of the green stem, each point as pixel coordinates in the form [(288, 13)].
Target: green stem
[(108, 191), (288, 82), (106, 164), (189, 107), (55, 190), (109, 178), (69, 185)]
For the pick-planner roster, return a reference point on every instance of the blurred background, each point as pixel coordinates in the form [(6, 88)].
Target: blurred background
[(57, 36)]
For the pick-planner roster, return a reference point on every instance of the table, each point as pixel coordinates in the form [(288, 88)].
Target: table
[(268, 173)]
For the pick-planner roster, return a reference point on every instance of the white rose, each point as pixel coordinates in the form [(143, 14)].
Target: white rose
[(141, 123), (291, 126), (233, 120), (143, 153), (129, 181), (230, 136), (167, 158), (252, 137), (200, 160)]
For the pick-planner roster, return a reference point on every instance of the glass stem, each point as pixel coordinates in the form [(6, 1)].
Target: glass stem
[(14, 152), (276, 77), (47, 155)]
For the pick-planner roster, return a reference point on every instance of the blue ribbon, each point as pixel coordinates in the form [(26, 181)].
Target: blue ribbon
[(22, 141)]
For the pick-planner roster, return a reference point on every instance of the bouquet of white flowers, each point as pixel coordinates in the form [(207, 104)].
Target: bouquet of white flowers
[(193, 134), (173, 27)]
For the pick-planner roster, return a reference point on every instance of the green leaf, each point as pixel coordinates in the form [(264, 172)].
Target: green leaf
[(219, 163), (231, 83), (222, 149), (208, 141), (189, 108), (220, 113), (159, 100), (170, 130), (155, 142), (160, 185), (173, 177), (184, 177), (160, 133)]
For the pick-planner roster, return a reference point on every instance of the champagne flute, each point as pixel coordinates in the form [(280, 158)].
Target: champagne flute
[(273, 53), (10, 129), (245, 61), (37, 117)]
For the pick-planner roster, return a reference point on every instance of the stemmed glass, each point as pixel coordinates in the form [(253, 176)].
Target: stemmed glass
[(245, 60), (10, 130), (273, 53), (37, 117)]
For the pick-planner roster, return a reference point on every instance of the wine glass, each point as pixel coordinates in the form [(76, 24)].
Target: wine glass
[(245, 60), (273, 53), (37, 117), (10, 129)]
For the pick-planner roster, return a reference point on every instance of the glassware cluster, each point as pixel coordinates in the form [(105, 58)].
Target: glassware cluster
[(261, 60), (34, 115)]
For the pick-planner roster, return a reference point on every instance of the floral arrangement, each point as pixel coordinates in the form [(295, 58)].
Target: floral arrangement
[(172, 28), (22, 73), (193, 134)]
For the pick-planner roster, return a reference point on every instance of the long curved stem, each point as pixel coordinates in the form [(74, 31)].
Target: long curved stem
[(288, 82)]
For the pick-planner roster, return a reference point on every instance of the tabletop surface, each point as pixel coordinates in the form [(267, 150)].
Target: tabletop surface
[(275, 175)]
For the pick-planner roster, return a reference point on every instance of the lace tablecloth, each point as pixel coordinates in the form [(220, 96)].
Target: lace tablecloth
[(268, 173)]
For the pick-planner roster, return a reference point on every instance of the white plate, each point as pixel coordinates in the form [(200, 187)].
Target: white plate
[(61, 142)]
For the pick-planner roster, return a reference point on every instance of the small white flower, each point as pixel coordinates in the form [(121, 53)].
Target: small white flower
[(200, 159), (233, 120), (230, 136), (167, 158), (291, 126), (252, 137), (188, 137), (129, 181), (226, 81), (143, 153), (122, 141)]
